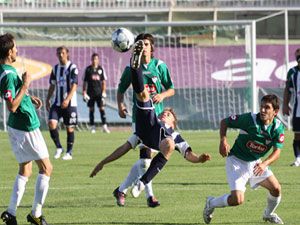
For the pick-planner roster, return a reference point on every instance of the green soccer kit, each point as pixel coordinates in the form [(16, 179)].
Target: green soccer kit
[(156, 77), (255, 139), (25, 117)]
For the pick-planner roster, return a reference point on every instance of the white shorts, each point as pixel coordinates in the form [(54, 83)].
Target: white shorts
[(239, 172), (27, 145)]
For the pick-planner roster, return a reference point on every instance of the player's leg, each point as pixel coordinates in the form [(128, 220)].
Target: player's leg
[(296, 142), (238, 174), (166, 147), (70, 121), (41, 190), (54, 116), (273, 199), (101, 106), (91, 104), (143, 165)]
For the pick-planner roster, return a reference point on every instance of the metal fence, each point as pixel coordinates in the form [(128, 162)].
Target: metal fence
[(82, 5)]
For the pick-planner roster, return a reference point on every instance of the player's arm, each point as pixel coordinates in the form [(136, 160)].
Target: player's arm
[(118, 153), (165, 94), (13, 104), (49, 95), (36, 101), (259, 168), (123, 85), (224, 147), (66, 101), (286, 99), (195, 158)]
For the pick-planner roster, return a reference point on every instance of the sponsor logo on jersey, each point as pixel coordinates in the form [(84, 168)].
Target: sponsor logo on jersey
[(233, 117), (256, 147), (281, 138), (151, 88), (95, 76), (8, 95)]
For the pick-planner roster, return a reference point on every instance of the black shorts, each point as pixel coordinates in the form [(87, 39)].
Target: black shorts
[(98, 99), (296, 124), (147, 126), (69, 114)]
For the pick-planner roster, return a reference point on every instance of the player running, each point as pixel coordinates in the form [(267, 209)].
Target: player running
[(259, 133)]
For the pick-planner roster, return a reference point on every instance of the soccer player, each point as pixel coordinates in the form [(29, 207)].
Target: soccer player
[(154, 131), (25, 137), (292, 89), (259, 133), (94, 90), (158, 82), (63, 80)]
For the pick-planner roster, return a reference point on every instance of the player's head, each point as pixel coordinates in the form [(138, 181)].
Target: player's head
[(8, 49), (148, 41), (95, 59), (297, 55), (269, 107), (62, 54), (168, 116)]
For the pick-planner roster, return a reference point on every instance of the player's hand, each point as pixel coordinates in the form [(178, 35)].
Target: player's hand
[(86, 98), (224, 148), (97, 168), (157, 98), (286, 110), (204, 157), (26, 78), (48, 105), (65, 104), (104, 95), (259, 169), (37, 102), (122, 112)]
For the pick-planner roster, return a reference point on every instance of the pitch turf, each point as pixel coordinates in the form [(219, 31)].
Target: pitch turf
[(181, 187)]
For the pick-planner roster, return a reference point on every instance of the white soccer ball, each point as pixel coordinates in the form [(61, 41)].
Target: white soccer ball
[(122, 39)]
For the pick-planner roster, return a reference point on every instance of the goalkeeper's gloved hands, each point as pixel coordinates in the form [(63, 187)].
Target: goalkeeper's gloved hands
[(86, 98)]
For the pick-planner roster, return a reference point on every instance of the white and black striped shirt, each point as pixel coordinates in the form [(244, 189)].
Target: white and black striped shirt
[(63, 77)]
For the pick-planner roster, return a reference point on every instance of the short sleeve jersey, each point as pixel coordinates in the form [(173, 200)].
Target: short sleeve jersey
[(63, 76), (255, 139), (293, 83), (94, 78), (156, 78), (25, 118)]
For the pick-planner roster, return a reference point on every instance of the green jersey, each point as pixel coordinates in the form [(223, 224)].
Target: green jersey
[(25, 117), (156, 78), (255, 139)]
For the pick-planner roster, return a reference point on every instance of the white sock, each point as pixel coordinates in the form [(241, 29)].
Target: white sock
[(219, 202), (131, 178), (142, 168), (272, 203), (17, 194), (41, 189)]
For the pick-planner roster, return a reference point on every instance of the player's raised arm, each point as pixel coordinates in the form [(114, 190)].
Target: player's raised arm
[(195, 158)]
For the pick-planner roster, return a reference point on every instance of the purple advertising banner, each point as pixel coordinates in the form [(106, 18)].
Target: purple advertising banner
[(190, 67)]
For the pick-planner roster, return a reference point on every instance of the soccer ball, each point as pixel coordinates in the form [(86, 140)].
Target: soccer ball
[(122, 39)]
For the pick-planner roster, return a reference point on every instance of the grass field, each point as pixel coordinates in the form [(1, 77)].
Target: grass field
[(181, 187)]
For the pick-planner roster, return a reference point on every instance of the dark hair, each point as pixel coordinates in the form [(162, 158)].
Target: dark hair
[(94, 55), (171, 110), (6, 44), (146, 36), (273, 99)]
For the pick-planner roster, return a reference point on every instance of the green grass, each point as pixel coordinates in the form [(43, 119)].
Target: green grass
[(181, 187)]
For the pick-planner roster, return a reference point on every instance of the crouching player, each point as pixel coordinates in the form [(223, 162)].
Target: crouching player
[(258, 134), (154, 132)]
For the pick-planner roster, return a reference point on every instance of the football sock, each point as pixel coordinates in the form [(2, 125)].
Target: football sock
[(272, 203), (55, 137), (103, 116), (41, 189), (131, 178), (137, 80), (158, 162), (143, 165), (92, 122), (219, 202), (17, 193), (70, 141), (296, 147)]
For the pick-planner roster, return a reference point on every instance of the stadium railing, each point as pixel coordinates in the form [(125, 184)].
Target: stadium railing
[(81, 5)]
